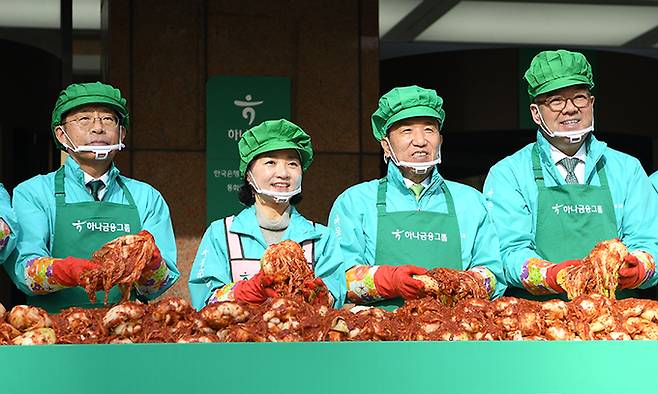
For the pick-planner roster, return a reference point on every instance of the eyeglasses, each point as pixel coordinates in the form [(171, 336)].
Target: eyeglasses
[(558, 103), (86, 122)]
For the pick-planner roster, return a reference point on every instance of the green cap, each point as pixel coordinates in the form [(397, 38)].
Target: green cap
[(552, 70), (403, 103), (77, 95), (274, 135)]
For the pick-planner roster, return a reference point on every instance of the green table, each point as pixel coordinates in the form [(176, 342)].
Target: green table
[(357, 367)]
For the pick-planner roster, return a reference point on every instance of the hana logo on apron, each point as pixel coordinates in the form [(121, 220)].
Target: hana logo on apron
[(105, 227), (419, 235), (578, 209)]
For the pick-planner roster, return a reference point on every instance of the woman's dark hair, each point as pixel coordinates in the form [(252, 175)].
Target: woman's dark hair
[(246, 195)]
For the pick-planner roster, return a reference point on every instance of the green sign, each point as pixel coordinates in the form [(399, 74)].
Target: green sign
[(233, 105)]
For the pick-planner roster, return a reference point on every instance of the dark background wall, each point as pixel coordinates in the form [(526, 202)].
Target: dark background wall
[(30, 83)]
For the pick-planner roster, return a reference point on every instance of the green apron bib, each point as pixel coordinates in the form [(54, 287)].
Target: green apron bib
[(80, 229), (571, 219), (424, 239)]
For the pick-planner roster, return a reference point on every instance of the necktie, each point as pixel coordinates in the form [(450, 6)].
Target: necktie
[(569, 164), (95, 187), (417, 188)]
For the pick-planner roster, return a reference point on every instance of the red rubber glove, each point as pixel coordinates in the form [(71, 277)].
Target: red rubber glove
[(156, 259), (313, 285), (632, 273), (552, 271), (67, 271), (255, 290), (392, 282), (316, 292)]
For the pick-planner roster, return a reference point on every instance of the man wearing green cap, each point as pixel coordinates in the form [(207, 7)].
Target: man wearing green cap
[(7, 226), (553, 200), (68, 214), (412, 220), (273, 157)]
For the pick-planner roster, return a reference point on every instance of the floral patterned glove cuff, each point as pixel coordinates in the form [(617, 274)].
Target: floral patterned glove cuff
[(224, 293), (5, 232), (533, 276), (361, 287), (488, 278)]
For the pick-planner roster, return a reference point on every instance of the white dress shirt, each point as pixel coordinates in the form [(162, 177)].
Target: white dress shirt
[(408, 183), (579, 171), (104, 178)]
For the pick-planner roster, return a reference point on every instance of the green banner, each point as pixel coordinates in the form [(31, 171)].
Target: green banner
[(233, 105), (495, 367)]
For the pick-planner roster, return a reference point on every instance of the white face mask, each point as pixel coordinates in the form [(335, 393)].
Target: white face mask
[(575, 136), (417, 168), (278, 197), (101, 151)]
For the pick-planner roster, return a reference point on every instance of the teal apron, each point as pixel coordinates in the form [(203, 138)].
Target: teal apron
[(81, 229), (571, 220), (424, 239)]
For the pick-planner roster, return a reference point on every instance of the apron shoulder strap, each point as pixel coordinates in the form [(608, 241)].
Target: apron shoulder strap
[(450, 203), (241, 268), (536, 166), (308, 247), (600, 170), (60, 194), (235, 251), (126, 192), (381, 196)]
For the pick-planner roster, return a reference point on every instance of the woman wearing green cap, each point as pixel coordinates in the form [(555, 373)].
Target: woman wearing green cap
[(553, 200), (7, 226), (273, 157), (413, 219), (68, 214)]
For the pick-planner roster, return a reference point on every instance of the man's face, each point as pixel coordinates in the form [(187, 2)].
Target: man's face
[(414, 139), (90, 125), (565, 109)]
